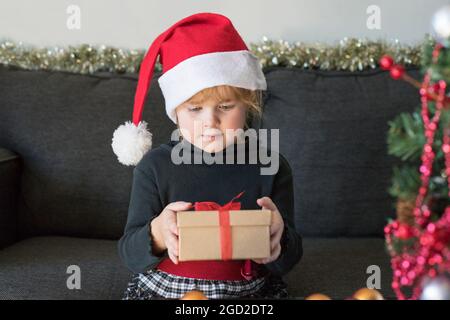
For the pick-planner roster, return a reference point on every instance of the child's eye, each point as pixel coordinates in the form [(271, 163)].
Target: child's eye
[(194, 108), (226, 107)]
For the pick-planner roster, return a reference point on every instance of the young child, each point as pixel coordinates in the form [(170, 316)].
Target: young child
[(212, 86)]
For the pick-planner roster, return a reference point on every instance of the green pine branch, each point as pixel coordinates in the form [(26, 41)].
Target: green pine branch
[(440, 70), (406, 137), (406, 140), (405, 182)]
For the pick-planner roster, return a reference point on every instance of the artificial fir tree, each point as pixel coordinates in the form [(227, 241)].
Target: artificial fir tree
[(419, 239)]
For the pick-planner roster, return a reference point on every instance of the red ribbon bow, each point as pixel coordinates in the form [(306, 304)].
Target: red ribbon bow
[(225, 229)]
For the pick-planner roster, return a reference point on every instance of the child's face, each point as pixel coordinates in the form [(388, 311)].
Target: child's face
[(205, 124)]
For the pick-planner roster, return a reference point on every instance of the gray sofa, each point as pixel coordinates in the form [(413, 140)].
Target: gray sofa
[(64, 196)]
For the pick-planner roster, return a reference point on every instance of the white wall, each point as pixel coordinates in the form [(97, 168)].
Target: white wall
[(135, 23)]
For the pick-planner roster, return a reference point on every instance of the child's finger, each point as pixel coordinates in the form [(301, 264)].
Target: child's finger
[(173, 249), (273, 230), (274, 242), (173, 257), (173, 228), (179, 206), (266, 203), (276, 253), (278, 234), (173, 242)]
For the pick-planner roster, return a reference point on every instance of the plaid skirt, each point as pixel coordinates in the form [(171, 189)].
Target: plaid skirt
[(159, 285)]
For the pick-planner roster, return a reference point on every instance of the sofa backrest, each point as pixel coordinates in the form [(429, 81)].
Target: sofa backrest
[(332, 130), (61, 124)]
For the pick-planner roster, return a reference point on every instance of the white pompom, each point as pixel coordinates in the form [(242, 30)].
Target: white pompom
[(131, 142), (441, 23)]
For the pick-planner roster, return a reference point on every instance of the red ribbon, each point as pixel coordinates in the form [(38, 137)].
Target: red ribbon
[(224, 222), (225, 229)]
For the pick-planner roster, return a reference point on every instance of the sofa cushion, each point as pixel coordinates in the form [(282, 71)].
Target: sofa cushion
[(333, 128), (36, 268), (338, 267)]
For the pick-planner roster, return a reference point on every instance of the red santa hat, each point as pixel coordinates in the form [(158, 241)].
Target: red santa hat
[(200, 51)]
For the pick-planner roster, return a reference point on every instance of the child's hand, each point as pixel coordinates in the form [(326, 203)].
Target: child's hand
[(276, 229), (168, 227)]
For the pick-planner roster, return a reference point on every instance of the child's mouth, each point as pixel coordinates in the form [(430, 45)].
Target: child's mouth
[(211, 134), (211, 137)]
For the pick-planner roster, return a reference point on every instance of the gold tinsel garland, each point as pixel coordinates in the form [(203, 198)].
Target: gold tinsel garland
[(349, 54)]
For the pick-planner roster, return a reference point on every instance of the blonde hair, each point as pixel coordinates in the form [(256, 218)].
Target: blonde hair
[(252, 99)]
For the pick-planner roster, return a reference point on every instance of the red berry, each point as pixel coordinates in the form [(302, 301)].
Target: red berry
[(403, 232), (386, 62), (435, 88), (397, 71)]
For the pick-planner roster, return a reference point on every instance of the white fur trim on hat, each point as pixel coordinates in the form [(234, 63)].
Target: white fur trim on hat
[(235, 68), (131, 142)]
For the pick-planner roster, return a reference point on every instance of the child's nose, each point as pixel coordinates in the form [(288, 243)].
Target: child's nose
[(210, 117)]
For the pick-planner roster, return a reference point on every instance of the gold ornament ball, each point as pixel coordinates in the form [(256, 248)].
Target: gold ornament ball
[(318, 296), (194, 295), (367, 294)]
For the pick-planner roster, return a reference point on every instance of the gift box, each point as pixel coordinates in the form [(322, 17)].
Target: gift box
[(223, 234)]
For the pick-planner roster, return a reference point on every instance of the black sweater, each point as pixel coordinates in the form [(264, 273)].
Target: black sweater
[(157, 181)]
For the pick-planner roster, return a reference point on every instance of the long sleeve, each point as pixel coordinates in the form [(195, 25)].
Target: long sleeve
[(135, 246), (283, 197)]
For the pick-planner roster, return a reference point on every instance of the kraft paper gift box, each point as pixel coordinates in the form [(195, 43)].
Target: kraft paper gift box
[(212, 235)]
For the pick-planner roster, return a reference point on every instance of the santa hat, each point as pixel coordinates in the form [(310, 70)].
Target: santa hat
[(200, 51)]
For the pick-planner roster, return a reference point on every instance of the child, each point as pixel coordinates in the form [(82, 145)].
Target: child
[(212, 85)]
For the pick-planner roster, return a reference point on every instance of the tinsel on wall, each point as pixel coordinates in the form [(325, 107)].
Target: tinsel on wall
[(350, 54)]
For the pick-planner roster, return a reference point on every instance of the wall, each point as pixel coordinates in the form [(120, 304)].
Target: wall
[(135, 23)]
